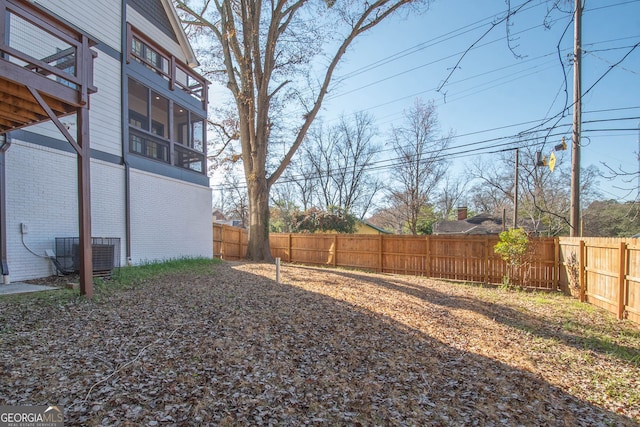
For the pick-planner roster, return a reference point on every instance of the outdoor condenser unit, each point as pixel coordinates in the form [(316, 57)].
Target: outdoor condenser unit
[(106, 255)]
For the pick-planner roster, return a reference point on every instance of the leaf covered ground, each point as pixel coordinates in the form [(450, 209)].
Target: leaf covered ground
[(227, 345)]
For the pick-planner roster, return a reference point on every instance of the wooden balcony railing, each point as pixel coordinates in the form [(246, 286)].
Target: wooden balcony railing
[(160, 61), (41, 53)]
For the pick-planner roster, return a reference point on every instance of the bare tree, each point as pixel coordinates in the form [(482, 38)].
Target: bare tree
[(543, 196), (419, 148), (233, 199), (339, 157), (262, 49), (493, 182), (451, 195), (387, 218), (297, 186), (630, 178)]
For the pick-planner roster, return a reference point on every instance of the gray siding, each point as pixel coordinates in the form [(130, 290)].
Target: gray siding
[(155, 13), (101, 20)]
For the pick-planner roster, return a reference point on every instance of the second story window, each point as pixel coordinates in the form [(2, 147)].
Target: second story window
[(156, 133), (149, 56)]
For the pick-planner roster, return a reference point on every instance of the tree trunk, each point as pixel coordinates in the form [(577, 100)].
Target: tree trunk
[(258, 249)]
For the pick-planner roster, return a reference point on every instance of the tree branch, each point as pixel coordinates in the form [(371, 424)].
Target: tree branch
[(493, 25)]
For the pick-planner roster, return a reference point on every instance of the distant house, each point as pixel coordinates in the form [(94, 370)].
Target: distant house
[(481, 224), (120, 74), (220, 218), (363, 227)]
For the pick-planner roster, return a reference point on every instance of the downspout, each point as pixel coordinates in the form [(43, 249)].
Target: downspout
[(4, 264), (125, 132), (4, 146)]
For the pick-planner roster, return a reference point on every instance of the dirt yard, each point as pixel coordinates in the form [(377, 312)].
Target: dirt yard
[(230, 347)]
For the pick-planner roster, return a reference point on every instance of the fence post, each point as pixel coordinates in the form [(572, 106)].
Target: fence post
[(582, 272), (486, 260), (222, 242), (380, 257), (622, 276), (335, 250), (428, 255), (289, 247), (556, 263)]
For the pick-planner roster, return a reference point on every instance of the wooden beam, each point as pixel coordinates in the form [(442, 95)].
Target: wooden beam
[(84, 204), (21, 115), (20, 92), (19, 102), (622, 280), (75, 144), (18, 74), (582, 271), (7, 123)]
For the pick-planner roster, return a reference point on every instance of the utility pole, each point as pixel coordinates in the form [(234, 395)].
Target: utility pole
[(515, 193), (577, 121)]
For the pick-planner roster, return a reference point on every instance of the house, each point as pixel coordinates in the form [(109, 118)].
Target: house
[(103, 133), (364, 227), (481, 224), (218, 216)]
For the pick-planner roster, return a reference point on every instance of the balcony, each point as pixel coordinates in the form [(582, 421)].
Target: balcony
[(46, 67), (178, 75)]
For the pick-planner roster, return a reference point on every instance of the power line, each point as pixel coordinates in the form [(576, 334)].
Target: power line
[(498, 81), (500, 145)]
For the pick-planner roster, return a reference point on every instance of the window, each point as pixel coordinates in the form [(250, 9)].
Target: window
[(148, 146), (153, 131), (138, 105), (147, 55), (159, 115), (197, 133), (180, 124)]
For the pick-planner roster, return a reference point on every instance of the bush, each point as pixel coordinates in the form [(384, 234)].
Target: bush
[(513, 247)]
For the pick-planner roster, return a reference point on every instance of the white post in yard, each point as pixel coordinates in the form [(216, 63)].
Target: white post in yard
[(277, 270)]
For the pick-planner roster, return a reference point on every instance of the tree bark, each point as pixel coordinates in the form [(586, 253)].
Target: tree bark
[(258, 249)]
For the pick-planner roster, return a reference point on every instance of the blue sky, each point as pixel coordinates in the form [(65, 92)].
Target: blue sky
[(410, 57)]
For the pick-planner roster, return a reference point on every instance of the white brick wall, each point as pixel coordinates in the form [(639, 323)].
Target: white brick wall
[(170, 218), (108, 203), (42, 192), (38, 195)]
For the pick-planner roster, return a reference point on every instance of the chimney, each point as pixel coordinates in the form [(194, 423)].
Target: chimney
[(462, 213)]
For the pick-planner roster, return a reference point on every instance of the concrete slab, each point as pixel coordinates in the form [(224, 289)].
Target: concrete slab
[(23, 288)]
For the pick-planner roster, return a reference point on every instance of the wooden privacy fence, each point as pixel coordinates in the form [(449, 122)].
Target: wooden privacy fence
[(602, 272), (467, 258), (229, 242)]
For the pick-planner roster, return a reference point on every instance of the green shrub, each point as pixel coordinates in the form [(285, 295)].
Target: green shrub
[(513, 247)]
